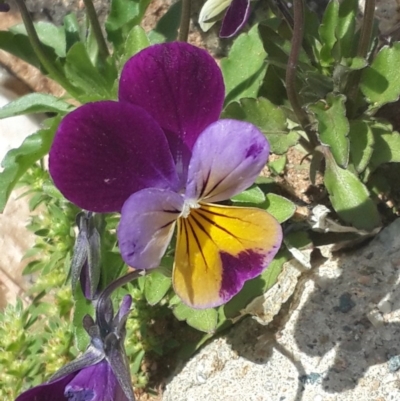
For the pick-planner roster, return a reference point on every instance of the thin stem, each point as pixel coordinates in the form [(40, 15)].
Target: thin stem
[(297, 40), (34, 40), (185, 21), (362, 51), (98, 34), (105, 295), (366, 28)]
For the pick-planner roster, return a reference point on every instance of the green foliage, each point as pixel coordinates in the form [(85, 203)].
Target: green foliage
[(269, 118), (204, 320), (333, 126), (380, 82), (18, 161), (124, 15), (167, 27), (35, 103), (245, 67), (92, 83), (136, 41), (349, 196)]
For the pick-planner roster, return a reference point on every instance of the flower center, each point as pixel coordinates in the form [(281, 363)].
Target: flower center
[(187, 205)]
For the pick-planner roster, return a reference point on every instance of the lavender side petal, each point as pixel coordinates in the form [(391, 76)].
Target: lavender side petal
[(147, 223)]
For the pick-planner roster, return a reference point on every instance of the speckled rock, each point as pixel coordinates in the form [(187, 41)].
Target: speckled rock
[(337, 340)]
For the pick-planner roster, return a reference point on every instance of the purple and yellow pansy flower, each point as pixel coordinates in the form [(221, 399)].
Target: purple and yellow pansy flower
[(160, 156)]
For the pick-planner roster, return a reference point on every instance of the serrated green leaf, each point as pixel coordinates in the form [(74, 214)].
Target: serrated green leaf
[(203, 320), (268, 118), (349, 196), (361, 144), (17, 161), (49, 35), (252, 195), (136, 41), (35, 103), (333, 126), (257, 286), (281, 208), (156, 286), (245, 67), (167, 27), (327, 32), (380, 82)]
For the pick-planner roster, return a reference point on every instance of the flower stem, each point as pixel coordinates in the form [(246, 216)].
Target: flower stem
[(185, 21), (98, 34), (297, 40), (362, 51), (34, 40)]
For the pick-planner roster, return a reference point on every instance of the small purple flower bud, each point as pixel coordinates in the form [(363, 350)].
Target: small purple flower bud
[(85, 264), (104, 362)]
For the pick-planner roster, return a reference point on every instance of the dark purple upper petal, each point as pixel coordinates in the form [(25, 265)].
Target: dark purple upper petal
[(181, 86), (236, 16), (48, 391), (105, 151), (94, 383)]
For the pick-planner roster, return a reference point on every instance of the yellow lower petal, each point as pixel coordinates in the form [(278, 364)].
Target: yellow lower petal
[(219, 248)]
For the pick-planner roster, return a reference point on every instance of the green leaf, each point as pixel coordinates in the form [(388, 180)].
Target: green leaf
[(281, 208), (35, 103), (84, 75), (346, 26), (156, 286), (269, 119), (386, 147), (18, 161), (201, 319), (124, 15), (19, 46), (73, 32), (245, 67), (349, 196), (278, 166), (257, 286), (327, 32), (49, 35), (380, 82), (333, 126), (361, 144), (136, 41), (167, 27), (82, 307), (252, 195)]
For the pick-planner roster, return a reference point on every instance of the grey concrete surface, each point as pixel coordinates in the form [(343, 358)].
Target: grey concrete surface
[(338, 341)]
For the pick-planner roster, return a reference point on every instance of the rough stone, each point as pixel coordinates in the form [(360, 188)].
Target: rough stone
[(317, 352)]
